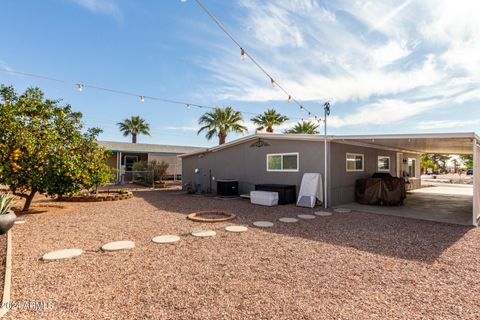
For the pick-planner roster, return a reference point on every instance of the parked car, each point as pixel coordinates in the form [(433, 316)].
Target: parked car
[(470, 172)]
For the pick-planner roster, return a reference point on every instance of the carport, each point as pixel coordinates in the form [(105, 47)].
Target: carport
[(460, 205)]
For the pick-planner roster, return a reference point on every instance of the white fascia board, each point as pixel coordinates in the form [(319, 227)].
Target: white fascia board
[(470, 135)]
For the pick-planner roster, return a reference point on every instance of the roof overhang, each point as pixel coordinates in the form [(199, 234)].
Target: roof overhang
[(444, 143)]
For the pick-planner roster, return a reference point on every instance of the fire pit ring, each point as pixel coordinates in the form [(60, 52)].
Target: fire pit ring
[(211, 216)]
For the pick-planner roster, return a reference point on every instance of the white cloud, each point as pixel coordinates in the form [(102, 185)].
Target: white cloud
[(398, 60), (444, 124), (385, 111), (107, 7)]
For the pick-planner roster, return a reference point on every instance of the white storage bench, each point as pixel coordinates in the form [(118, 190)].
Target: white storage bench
[(264, 198)]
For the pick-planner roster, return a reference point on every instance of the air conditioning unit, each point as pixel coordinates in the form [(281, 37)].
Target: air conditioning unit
[(227, 188)]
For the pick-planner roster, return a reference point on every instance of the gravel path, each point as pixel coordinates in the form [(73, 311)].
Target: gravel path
[(345, 266)]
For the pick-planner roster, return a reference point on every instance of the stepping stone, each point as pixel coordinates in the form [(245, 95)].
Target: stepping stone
[(203, 233), (288, 220), (323, 213), (263, 224), (236, 228), (19, 222), (306, 216), (342, 210), (118, 245), (166, 239), (62, 254)]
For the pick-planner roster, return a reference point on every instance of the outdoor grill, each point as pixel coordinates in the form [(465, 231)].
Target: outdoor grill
[(380, 189)]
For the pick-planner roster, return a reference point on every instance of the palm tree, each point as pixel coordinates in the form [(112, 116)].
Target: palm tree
[(220, 122), (268, 119), (134, 126), (304, 127)]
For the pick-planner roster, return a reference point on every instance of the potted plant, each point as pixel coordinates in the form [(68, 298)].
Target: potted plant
[(7, 217)]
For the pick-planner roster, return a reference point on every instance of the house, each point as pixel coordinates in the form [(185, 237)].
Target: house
[(283, 158), (125, 154)]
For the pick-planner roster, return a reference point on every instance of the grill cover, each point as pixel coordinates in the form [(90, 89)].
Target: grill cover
[(380, 191)]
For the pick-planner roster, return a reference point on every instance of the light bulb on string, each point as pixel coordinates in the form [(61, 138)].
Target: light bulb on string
[(142, 99), (301, 108), (289, 98), (188, 106), (242, 53), (79, 87), (272, 82)]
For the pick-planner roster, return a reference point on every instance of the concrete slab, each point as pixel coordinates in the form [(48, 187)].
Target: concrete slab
[(342, 210), (236, 229), (263, 224), (118, 245), (306, 216), (204, 233), (431, 203), (323, 213), (62, 254), (166, 239), (288, 220)]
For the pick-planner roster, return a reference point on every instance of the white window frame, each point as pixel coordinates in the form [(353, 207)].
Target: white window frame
[(354, 154), (281, 161), (389, 164)]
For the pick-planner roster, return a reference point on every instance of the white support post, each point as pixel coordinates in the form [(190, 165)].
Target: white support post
[(325, 200), (326, 109), (118, 166), (476, 196)]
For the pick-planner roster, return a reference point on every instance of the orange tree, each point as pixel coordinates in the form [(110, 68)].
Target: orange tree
[(43, 148)]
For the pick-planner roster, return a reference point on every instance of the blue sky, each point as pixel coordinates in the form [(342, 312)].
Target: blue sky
[(387, 66)]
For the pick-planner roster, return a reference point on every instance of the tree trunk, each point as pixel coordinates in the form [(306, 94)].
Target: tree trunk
[(221, 138), (134, 138), (28, 200), (270, 129)]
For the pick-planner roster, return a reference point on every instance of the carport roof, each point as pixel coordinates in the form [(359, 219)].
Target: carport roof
[(446, 143)]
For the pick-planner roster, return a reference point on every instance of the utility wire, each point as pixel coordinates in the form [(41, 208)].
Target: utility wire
[(80, 86), (243, 52)]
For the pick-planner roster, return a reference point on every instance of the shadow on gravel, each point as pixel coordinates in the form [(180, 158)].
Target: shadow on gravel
[(390, 236)]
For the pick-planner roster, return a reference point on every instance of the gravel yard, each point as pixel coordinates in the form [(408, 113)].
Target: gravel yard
[(345, 266)]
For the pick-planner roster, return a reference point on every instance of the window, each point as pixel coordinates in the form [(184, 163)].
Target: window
[(354, 162), (282, 162), (383, 164), (411, 168), (129, 161)]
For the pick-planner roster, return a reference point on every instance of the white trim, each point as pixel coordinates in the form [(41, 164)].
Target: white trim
[(281, 161), (389, 164), (355, 154)]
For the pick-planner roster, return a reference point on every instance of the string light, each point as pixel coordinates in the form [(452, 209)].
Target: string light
[(81, 86), (272, 82), (243, 53)]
